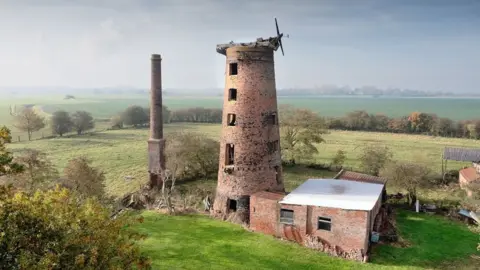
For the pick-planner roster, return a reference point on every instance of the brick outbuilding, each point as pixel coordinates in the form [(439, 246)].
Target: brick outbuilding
[(468, 176), (337, 215)]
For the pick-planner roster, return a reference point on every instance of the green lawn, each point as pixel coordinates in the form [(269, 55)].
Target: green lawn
[(198, 242)]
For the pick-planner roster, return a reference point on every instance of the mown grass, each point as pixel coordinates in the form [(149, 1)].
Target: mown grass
[(122, 153), (199, 242)]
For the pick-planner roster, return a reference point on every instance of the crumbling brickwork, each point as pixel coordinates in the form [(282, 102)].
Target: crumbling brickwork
[(156, 143), (250, 158), (348, 236)]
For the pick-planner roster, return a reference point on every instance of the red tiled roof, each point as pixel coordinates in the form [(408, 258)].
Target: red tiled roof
[(360, 177), (270, 195), (470, 174)]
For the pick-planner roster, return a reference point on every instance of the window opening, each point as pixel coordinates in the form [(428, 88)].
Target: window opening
[(231, 119), (286, 216), (232, 205), (230, 152), (272, 146), (233, 68), (232, 94), (272, 119), (324, 224)]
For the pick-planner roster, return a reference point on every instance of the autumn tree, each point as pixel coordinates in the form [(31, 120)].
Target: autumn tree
[(373, 158), (39, 170), (81, 177), (54, 230), (61, 123), (300, 130), (192, 154), (135, 116), (82, 121), (7, 164), (407, 175), (27, 120)]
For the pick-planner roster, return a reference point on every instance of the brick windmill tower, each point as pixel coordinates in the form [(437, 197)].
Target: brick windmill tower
[(250, 158)]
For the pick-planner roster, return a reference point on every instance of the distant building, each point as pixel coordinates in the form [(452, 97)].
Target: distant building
[(469, 175), (339, 214)]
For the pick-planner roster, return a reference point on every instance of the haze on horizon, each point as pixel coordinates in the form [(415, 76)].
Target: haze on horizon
[(429, 45)]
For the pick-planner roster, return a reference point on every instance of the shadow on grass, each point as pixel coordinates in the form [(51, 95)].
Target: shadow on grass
[(433, 240)]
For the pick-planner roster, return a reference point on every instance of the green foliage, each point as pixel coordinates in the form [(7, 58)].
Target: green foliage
[(192, 154), (7, 164), (39, 171), (82, 121), (339, 158), (61, 123), (300, 130), (373, 158), (135, 116), (52, 230)]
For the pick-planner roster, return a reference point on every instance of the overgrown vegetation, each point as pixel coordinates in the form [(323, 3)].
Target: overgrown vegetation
[(53, 230)]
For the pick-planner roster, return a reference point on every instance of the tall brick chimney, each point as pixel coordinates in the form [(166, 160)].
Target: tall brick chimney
[(156, 143), (249, 159)]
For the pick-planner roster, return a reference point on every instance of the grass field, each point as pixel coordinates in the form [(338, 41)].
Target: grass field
[(198, 242), (122, 153), (104, 106)]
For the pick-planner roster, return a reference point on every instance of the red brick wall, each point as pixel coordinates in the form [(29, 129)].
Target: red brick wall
[(254, 166), (264, 215)]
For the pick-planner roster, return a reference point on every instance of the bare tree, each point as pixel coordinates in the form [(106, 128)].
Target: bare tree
[(27, 120), (82, 177), (407, 175), (168, 186)]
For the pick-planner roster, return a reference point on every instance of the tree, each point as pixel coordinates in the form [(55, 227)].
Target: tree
[(407, 175), (82, 121), (373, 158), (7, 164), (300, 130), (84, 179), (38, 170), (192, 154), (135, 116), (444, 127), (54, 230), (339, 158), (28, 121), (61, 123), (117, 121)]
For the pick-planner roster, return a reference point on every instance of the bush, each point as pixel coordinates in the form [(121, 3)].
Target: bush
[(53, 230)]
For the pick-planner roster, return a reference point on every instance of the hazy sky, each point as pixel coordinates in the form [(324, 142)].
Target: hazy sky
[(425, 45)]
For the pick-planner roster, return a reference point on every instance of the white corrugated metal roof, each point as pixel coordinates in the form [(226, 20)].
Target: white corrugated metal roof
[(335, 193)]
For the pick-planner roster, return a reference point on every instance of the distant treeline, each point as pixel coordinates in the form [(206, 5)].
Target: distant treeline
[(414, 123)]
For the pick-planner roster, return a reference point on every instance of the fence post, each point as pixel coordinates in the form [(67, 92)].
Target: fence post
[(18, 138)]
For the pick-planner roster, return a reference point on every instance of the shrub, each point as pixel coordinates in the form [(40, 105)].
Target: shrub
[(53, 230)]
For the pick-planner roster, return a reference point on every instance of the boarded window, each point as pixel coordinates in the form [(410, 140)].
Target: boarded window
[(232, 205), (286, 216), (324, 223), (232, 94), (272, 119), (273, 146), (233, 70), (230, 154), (231, 119)]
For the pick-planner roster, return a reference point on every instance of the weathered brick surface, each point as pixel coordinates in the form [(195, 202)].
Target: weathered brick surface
[(254, 168), (156, 143), (350, 230)]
